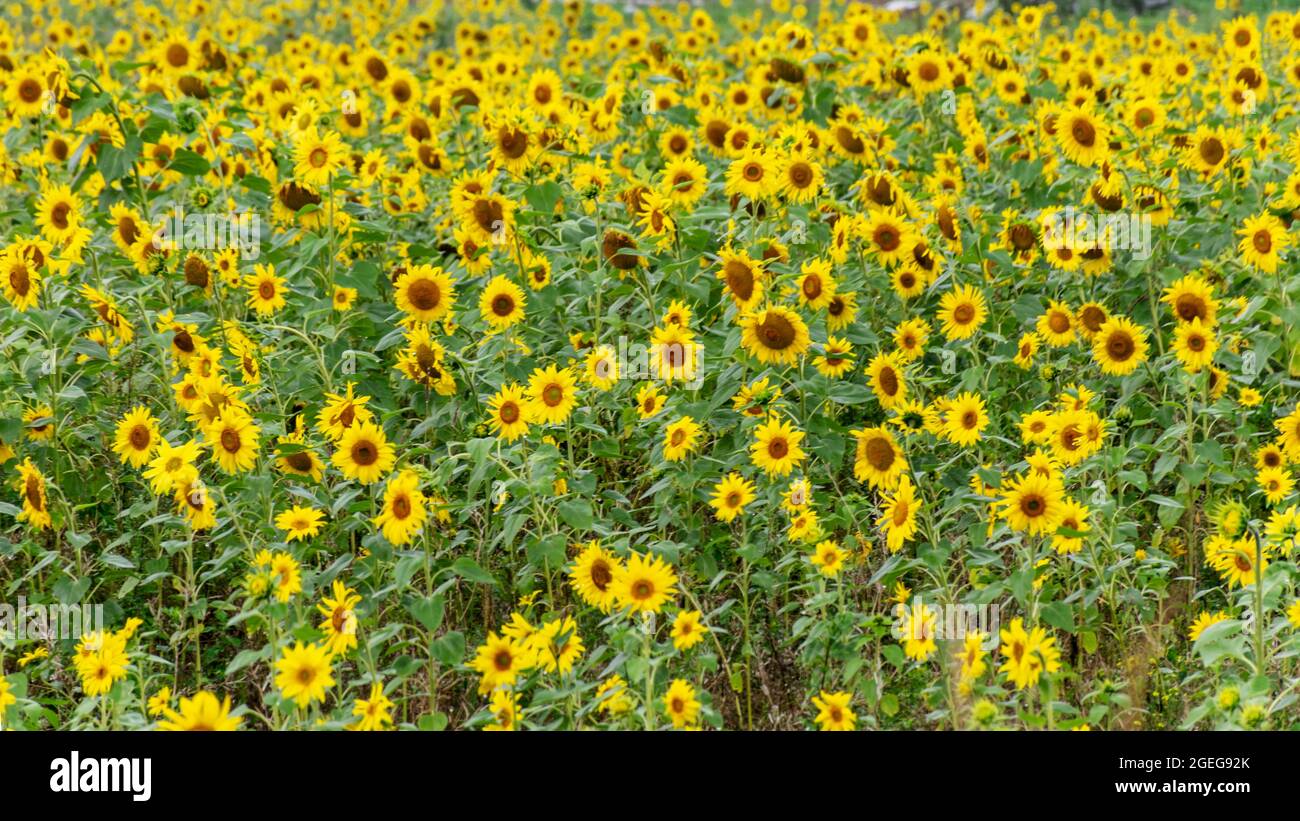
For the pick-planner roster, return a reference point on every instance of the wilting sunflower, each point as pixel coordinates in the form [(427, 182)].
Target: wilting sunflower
[(886, 378), (137, 436), (1119, 346), (509, 412), (776, 447), (304, 673), (962, 311), (644, 584), (233, 437), (404, 510), (364, 453), (425, 293), (775, 335), (731, 495), (1034, 503), (502, 303), (299, 522), (552, 394), (879, 460)]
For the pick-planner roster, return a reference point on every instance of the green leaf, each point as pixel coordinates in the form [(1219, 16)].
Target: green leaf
[(449, 649), (468, 569), (576, 513)]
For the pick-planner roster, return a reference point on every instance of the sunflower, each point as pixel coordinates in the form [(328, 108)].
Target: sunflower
[(1276, 483), (299, 522), (836, 359), (684, 181), (601, 368), (509, 412), (1027, 654), (1119, 346), (173, 466), (20, 280), (296, 458), (364, 453), (1073, 518), (962, 311), (681, 705), (815, 286), (1202, 621), (886, 378), (833, 712), (202, 713), (680, 438), (233, 437), (58, 214), (800, 177), (502, 303), (879, 460), (687, 630), (731, 495), (31, 485), (344, 298), (888, 238), (265, 290), (26, 93), (552, 395), (1026, 349), (649, 401), (137, 436), (1237, 562), (1034, 503), (1056, 324), (1208, 150), (304, 673), (742, 277), (404, 510), (1191, 297), (910, 337), (1194, 345), (341, 412), (751, 175), (592, 576), (776, 447), (1264, 240), (195, 502), (1083, 136), (644, 584), (425, 293), (898, 514), (965, 419), (775, 335)]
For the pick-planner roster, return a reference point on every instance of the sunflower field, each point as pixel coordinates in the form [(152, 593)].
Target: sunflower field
[(502, 365)]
